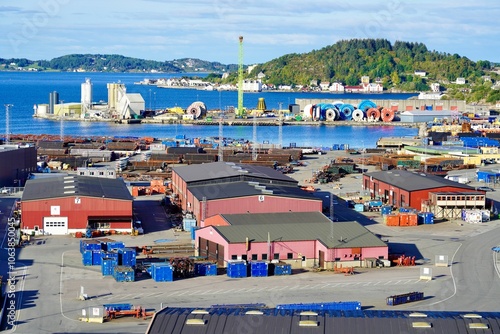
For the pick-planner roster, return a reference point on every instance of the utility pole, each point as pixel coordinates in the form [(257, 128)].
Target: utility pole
[(61, 120), (239, 112), (280, 128), (7, 123)]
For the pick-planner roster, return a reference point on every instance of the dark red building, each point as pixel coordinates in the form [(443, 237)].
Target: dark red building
[(66, 204), (402, 188)]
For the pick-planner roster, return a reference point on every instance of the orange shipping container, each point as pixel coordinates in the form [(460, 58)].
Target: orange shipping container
[(403, 219), (391, 220), (412, 219)]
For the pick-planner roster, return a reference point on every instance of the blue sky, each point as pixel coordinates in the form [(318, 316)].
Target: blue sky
[(209, 30)]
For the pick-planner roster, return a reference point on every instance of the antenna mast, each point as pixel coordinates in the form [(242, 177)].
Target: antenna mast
[(239, 112)]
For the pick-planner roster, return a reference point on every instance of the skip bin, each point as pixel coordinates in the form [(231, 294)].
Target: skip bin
[(162, 272), (87, 258), (359, 207), (107, 266), (124, 274), (236, 269), (127, 256), (258, 269), (282, 269)]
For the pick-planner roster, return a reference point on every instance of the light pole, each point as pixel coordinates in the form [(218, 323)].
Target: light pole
[(150, 99), (154, 104), (61, 117), (7, 123)]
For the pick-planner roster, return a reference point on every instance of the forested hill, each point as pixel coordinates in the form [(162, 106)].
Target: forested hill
[(115, 63), (347, 60)]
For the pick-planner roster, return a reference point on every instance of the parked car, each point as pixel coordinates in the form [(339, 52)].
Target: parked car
[(485, 189)]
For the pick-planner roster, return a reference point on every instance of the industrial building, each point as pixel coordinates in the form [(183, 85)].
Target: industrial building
[(16, 164), (249, 197), (223, 187), (402, 188), (418, 116), (302, 239), (66, 204)]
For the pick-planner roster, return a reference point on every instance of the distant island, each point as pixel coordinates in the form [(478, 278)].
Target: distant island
[(402, 67)]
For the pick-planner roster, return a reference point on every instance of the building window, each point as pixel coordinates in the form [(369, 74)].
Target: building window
[(254, 257), (276, 256), (234, 257), (337, 259), (244, 257), (289, 256), (264, 256)]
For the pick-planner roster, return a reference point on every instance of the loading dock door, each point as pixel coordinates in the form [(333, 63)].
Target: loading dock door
[(55, 225)]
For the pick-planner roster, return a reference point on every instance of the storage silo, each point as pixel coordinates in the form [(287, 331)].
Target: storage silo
[(53, 100), (86, 96)]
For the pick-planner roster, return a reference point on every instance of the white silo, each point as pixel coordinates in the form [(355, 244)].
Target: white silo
[(86, 93)]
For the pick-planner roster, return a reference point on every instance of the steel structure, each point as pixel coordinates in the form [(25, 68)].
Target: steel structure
[(239, 112)]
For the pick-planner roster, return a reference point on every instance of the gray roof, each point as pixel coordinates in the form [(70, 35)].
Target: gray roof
[(221, 170), (242, 189), (412, 181), (74, 185), (230, 320), (297, 226)]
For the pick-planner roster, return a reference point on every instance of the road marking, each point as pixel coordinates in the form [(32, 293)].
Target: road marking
[(388, 282)]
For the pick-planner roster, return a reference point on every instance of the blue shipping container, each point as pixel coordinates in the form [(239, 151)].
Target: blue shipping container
[(236, 269), (127, 257), (115, 245), (193, 232), (332, 306), (124, 274), (107, 266), (205, 269), (259, 269), (405, 298), (426, 218), (89, 244), (386, 210), (111, 255), (282, 269), (162, 272), (96, 258), (118, 307), (87, 258), (188, 224)]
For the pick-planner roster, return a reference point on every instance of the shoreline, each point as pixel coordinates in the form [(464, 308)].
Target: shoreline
[(235, 122)]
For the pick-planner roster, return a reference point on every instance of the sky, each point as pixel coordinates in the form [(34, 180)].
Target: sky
[(209, 30)]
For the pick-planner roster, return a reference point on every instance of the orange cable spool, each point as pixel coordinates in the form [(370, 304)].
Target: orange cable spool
[(373, 113)]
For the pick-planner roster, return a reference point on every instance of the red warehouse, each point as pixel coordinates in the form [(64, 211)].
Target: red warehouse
[(68, 203), (402, 188), (302, 239)]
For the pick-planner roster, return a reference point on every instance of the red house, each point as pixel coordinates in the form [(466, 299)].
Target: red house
[(402, 188), (64, 204)]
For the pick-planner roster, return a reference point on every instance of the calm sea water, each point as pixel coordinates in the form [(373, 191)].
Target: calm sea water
[(25, 89)]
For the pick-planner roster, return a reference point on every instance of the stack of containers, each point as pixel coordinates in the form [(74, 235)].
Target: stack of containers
[(89, 244), (124, 274), (87, 258), (259, 269), (236, 269), (127, 256), (281, 269), (331, 306), (205, 269), (161, 272), (104, 243), (108, 265)]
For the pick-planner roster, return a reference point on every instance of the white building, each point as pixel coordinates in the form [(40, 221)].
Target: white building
[(435, 87), (323, 85), (460, 81), (252, 85), (420, 73), (336, 87), (373, 88)]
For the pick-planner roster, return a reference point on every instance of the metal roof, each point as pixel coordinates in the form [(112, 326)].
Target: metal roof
[(233, 320), (75, 185), (221, 170), (412, 181), (296, 226), (242, 189)]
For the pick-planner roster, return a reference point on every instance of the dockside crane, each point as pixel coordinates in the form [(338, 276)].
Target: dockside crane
[(240, 111)]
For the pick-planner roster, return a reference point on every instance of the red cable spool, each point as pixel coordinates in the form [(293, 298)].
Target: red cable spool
[(387, 115), (373, 113)]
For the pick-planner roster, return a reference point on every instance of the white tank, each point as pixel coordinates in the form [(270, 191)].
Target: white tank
[(86, 95)]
